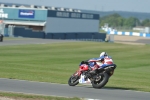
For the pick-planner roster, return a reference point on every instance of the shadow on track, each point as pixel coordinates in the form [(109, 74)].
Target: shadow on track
[(107, 87)]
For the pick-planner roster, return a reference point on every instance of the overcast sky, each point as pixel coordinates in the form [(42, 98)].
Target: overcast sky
[(100, 5)]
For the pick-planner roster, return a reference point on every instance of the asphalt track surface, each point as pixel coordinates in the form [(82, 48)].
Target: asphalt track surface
[(63, 90), (84, 91), (26, 41)]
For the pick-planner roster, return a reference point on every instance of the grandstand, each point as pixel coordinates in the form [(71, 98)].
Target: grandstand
[(48, 22)]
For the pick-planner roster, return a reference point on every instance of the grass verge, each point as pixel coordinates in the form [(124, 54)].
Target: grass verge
[(20, 96)]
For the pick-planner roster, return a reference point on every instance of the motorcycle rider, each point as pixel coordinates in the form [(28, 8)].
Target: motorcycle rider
[(98, 63)]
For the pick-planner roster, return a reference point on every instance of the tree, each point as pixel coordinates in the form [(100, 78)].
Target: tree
[(113, 20), (146, 22), (131, 22)]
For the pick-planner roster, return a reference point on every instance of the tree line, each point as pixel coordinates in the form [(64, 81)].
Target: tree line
[(115, 20)]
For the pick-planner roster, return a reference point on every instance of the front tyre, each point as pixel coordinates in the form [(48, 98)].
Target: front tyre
[(101, 82), (73, 80)]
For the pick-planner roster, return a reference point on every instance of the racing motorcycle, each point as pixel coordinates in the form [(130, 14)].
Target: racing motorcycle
[(98, 77)]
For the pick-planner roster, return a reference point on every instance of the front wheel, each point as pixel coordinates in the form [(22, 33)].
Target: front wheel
[(101, 81), (73, 80)]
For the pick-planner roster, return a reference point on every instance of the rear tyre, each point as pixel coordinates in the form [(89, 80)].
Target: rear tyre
[(102, 82)]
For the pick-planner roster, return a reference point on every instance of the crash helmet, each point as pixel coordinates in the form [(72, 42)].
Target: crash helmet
[(103, 54)]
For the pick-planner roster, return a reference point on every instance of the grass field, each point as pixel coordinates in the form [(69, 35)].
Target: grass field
[(20, 96), (56, 62)]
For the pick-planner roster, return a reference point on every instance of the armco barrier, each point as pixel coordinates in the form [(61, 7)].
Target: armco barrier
[(129, 33), (26, 32), (79, 35)]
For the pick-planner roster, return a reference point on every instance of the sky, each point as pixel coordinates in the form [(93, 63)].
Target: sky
[(98, 5)]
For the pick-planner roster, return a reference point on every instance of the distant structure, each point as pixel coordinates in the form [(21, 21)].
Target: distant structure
[(53, 22), (27, 15)]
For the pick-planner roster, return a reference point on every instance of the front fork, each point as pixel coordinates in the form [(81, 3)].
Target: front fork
[(77, 73)]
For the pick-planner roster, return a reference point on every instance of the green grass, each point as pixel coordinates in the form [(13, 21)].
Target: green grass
[(21, 96), (102, 31), (14, 38), (56, 62)]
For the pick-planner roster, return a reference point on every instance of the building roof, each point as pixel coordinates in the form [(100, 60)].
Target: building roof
[(16, 5)]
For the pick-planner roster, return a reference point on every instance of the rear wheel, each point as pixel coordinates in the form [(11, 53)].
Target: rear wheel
[(73, 80), (100, 81)]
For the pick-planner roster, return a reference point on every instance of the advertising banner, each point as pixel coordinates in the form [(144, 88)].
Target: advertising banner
[(25, 13), (3, 14)]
